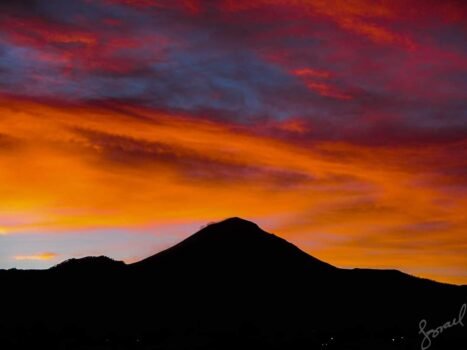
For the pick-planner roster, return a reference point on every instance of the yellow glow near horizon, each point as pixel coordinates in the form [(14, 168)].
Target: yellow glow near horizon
[(41, 256)]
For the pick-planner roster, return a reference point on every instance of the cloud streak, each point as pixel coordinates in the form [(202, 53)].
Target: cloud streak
[(41, 256)]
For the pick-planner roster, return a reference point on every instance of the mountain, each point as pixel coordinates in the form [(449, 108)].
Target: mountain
[(234, 245), (229, 285)]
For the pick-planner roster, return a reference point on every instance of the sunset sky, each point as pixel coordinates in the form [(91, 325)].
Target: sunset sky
[(126, 125)]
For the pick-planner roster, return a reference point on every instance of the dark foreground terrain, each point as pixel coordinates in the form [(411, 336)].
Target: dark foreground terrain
[(229, 286)]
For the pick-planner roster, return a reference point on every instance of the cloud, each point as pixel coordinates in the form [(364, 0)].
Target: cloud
[(41, 256), (331, 63)]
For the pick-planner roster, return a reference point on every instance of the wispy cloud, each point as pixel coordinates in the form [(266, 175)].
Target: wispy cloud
[(41, 256)]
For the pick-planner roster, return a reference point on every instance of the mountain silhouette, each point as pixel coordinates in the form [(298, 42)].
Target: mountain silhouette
[(229, 285), (234, 245)]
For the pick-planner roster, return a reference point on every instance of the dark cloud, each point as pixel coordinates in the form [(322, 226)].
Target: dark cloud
[(372, 75), (7, 143), (122, 151)]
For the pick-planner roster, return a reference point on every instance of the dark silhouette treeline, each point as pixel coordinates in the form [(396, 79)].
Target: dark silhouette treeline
[(229, 286)]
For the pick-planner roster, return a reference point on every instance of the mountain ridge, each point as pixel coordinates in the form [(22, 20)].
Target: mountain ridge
[(229, 283), (231, 229)]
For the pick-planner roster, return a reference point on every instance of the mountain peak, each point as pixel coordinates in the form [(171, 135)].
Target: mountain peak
[(235, 242), (232, 234), (236, 221), (233, 227)]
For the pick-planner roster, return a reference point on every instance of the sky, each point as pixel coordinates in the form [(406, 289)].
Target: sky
[(341, 126)]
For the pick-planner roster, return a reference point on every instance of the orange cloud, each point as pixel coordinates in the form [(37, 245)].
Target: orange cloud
[(327, 90), (309, 72), (315, 81), (42, 256), (68, 167)]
